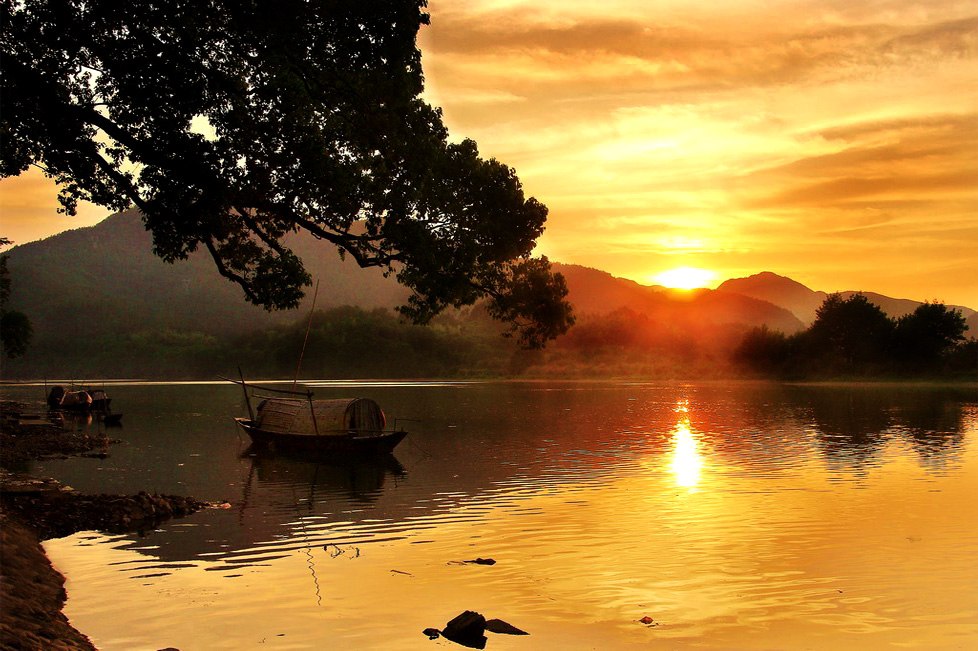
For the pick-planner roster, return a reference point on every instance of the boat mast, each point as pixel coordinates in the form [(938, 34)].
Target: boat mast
[(306, 339), (244, 387)]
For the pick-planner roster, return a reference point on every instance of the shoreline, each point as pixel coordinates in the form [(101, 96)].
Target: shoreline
[(35, 509), (33, 595)]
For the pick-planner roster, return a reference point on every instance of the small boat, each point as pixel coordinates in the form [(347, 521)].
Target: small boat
[(62, 398), (100, 400), (345, 426), (81, 400)]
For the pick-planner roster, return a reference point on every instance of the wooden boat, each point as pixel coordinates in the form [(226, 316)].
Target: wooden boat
[(62, 398), (346, 426), (81, 400)]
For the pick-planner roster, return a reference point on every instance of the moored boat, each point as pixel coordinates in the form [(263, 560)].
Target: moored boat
[(82, 399), (345, 426)]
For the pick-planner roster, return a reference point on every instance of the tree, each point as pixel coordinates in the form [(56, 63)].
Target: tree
[(763, 349), (15, 328), (232, 124), (925, 335), (853, 328)]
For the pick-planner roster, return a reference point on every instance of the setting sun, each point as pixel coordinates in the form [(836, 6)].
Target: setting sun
[(685, 278)]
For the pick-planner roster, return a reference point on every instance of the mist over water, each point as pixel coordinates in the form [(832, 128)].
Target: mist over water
[(735, 515)]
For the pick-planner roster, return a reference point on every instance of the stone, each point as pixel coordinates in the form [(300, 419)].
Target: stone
[(467, 629), (499, 626)]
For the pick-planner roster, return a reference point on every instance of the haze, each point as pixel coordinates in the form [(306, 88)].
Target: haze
[(832, 142)]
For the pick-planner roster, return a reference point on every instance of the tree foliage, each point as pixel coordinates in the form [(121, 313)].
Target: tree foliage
[(852, 336), (763, 349), (925, 335), (232, 124), (852, 328)]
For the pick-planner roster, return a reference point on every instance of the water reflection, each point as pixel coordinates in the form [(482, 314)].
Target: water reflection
[(546, 478), (686, 461), (853, 425), (358, 479)]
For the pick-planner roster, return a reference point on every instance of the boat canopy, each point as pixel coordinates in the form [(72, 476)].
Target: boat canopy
[(346, 416)]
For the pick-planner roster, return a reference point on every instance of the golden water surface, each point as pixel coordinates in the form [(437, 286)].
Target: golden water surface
[(734, 516)]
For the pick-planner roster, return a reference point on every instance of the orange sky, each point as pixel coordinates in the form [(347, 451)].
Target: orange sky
[(832, 141)]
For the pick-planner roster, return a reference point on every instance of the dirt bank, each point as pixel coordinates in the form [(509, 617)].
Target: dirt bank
[(32, 593)]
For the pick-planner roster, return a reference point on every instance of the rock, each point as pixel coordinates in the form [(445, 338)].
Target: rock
[(54, 513), (432, 633), (499, 626), (482, 561), (467, 629)]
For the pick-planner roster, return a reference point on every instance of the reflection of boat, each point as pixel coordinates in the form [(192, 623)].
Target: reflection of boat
[(346, 426), (358, 476), (112, 420)]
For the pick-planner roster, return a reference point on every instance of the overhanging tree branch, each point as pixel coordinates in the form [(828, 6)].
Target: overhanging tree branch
[(313, 103)]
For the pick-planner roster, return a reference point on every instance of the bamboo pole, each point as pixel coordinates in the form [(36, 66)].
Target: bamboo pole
[(306, 339), (244, 387)]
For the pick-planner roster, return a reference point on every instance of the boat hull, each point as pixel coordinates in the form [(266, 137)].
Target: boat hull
[(342, 444)]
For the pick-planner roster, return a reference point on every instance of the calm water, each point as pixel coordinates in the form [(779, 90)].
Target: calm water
[(737, 516)]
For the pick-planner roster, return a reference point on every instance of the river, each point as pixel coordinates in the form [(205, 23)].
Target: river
[(733, 515)]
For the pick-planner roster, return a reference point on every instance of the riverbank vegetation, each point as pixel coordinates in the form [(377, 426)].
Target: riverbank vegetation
[(854, 337), (850, 338)]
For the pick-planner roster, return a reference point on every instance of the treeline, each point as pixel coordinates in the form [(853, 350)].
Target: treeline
[(854, 337), (850, 337), (343, 342), (350, 342)]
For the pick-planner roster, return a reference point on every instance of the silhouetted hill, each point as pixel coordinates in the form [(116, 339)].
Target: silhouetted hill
[(105, 279), (779, 290), (803, 302), (972, 322), (598, 292), (103, 282)]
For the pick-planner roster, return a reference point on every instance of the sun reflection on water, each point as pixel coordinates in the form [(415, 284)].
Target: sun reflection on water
[(687, 463)]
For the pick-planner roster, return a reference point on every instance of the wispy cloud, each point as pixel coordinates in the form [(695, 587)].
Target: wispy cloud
[(827, 138), (831, 140)]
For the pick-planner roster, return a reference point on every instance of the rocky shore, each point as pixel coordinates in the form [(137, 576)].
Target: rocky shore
[(32, 509), (27, 433)]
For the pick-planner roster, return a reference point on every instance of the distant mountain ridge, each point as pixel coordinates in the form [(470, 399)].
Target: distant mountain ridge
[(803, 302), (592, 291), (105, 278), (105, 281)]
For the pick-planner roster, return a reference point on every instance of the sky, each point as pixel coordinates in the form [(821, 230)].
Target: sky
[(832, 141)]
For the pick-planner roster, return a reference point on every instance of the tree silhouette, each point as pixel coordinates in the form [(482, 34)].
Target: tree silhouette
[(853, 335), (924, 336), (763, 349), (853, 329), (233, 125)]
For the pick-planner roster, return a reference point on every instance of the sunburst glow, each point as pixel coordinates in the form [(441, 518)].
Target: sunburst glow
[(686, 460), (685, 278)]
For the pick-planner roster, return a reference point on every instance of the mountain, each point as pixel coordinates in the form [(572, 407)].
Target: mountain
[(803, 302), (105, 279), (596, 292), (778, 290)]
